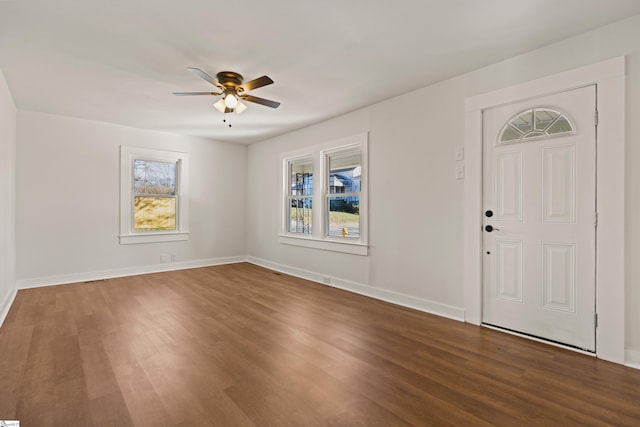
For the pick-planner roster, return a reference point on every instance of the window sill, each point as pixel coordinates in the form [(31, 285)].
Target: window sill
[(354, 248), (134, 239)]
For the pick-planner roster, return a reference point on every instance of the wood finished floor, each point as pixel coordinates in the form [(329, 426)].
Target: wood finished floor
[(239, 345)]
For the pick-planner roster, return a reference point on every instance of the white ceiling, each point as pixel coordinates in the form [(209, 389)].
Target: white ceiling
[(119, 61)]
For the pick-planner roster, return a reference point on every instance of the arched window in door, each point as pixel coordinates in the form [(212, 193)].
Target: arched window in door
[(535, 123)]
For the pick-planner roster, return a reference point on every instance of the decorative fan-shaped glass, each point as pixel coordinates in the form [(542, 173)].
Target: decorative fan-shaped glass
[(535, 123)]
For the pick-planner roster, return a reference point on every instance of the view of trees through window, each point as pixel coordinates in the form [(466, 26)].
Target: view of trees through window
[(300, 197), (345, 173), (154, 195)]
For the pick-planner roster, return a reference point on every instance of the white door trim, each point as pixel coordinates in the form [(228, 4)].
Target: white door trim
[(609, 76)]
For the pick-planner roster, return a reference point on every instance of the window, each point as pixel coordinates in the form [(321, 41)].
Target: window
[(329, 212), (344, 175), (535, 123), (153, 195), (300, 199)]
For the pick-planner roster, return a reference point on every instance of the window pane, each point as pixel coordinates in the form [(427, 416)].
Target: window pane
[(345, 173), (524, 122), (561, 126), (344, 217), (300, 215), (154, 213), (301, 178), (151, 177), (544, 118), (510, 134)]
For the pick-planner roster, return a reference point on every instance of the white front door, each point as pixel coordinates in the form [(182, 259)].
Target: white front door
[(539, 219)]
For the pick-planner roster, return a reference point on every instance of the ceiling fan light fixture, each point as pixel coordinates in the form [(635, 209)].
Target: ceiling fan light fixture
[(233, 89), (240, 107), (220, 105), (231, 101)]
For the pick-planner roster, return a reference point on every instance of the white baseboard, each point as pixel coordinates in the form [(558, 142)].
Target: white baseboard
[(632, 359), (6, 305), (122, 272), (420, 304)]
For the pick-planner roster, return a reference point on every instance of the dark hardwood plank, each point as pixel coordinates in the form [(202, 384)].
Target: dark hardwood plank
[(15, 342), (239, 345)]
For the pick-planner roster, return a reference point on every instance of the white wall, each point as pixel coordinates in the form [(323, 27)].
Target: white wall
[(68, 201), (7, 198), (416, 205)]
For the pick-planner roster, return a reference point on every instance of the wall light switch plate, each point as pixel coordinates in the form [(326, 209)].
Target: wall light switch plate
[(459, 172), (459, 154)]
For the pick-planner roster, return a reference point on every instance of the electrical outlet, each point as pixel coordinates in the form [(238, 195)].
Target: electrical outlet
[(164, 258), (459, 172)]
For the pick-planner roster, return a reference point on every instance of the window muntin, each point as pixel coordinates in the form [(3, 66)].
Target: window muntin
[(300, 198), (535, 123), (153, 195), (344, 174)]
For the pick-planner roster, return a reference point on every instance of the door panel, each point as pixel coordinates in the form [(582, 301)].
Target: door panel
[(509, 270), (558, 183), (558, 277), (539, 180), (509, 186)]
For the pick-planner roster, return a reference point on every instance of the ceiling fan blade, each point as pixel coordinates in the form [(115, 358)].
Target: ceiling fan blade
[(196, 93), (198, 72), (261, 101), (256, 83)]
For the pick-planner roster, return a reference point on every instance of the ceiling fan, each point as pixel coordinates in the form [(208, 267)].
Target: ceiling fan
[(232, 90)]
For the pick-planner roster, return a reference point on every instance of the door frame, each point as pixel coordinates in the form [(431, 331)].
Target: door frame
[(609, 78)]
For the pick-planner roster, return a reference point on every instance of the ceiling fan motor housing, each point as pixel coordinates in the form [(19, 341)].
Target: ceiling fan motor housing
[(229, 78), (231, 83)]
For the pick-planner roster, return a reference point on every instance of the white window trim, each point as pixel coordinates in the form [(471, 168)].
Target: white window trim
[(128, 235), (318, 238)]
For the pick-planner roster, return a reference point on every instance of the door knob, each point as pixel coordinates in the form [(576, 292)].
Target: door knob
[(490, 228), (488, 213)]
